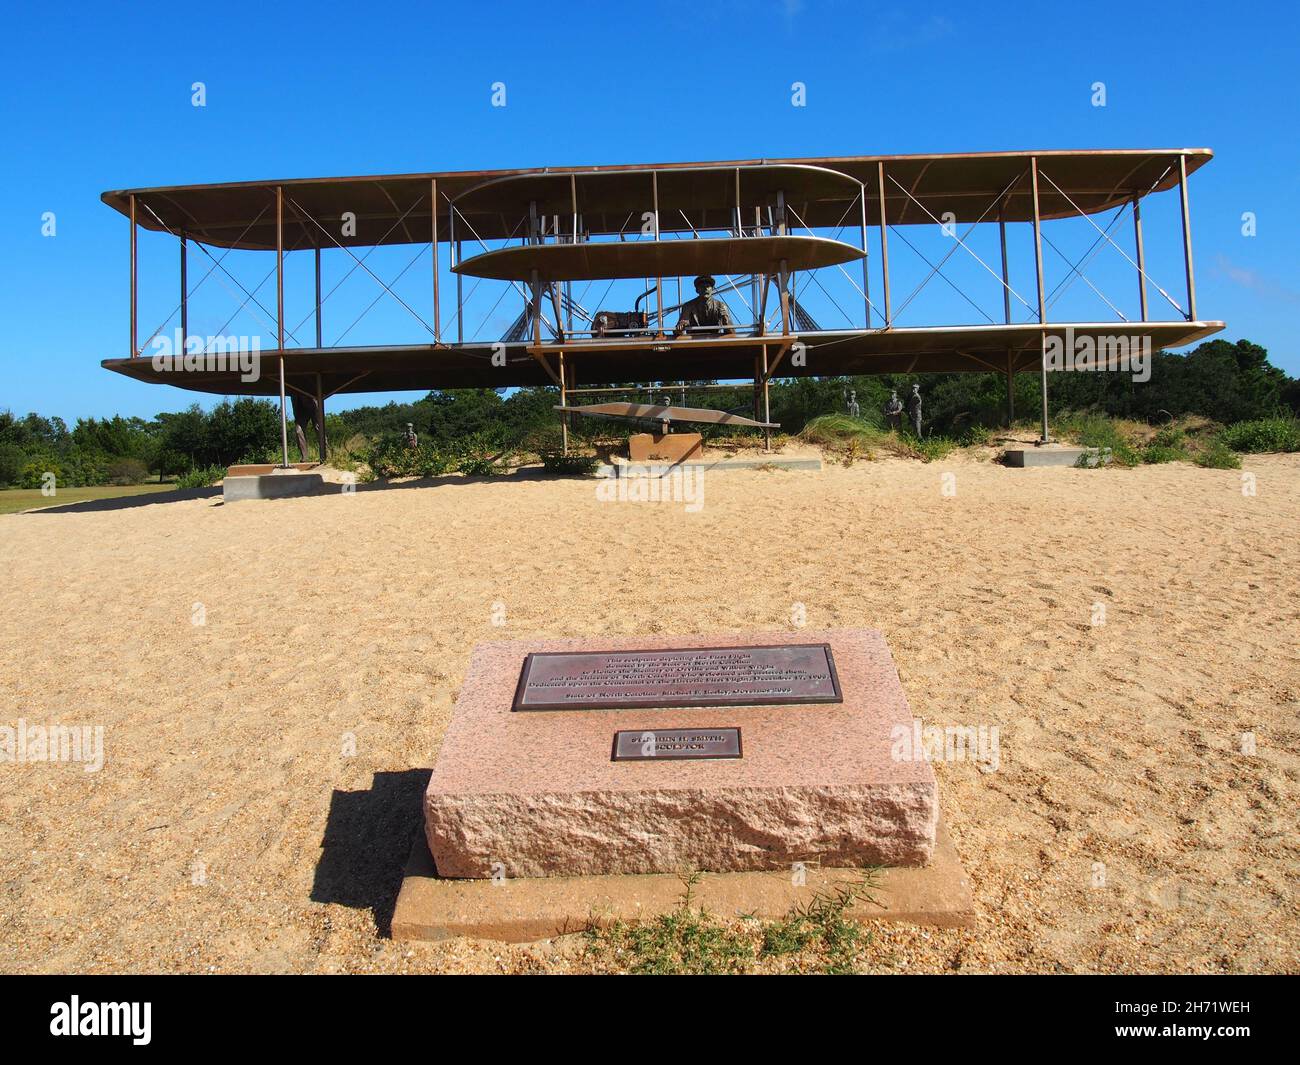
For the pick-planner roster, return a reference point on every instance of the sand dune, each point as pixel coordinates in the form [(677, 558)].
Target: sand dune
[(229, 830)]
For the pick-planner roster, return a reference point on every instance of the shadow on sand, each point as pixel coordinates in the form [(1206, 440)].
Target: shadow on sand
[(527, 473), (368, 836), (330, 488), (147, 499)]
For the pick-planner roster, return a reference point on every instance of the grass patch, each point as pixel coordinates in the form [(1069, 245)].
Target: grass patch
[(816, 936), (830, 430), (822, 926), (687, 940), (12, 500), (724, 441), (850, 439), (845, 437)]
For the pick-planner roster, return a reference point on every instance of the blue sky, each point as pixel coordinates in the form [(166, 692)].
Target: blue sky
[(98, 98)]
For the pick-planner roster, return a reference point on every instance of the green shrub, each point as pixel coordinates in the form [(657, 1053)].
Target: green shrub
[(480, 466), (73, 469), (392, 458), (549, 437), (201, 477), (1153, 454), (1096, 430), (1263, 434), (475, 455), (389, 458), (977, 436), (1099, 457), (479, 455), (33, 474), (1218, 456), (1122, 454), (1169, 437), (126, 471), (581, 465), (82, 468), (429, 461), (12, 460), (261, 456), (933, 448)]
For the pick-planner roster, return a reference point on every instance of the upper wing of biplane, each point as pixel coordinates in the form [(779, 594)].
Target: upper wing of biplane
[(394, 209)]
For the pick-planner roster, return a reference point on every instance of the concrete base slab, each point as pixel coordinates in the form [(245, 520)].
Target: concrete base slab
[(1045, 456), (272, 486), (522, 911)]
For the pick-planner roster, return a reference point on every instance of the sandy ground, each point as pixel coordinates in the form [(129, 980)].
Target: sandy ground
[(228, 830)]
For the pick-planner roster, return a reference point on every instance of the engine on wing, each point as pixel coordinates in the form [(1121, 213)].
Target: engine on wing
[(619, 323)]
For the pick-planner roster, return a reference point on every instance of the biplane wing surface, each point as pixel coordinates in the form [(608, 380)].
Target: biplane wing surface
[(655, 413)]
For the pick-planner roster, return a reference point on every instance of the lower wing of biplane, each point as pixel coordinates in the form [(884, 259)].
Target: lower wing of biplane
[(650, 412)]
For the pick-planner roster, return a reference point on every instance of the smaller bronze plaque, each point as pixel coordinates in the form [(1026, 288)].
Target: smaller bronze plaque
[(649, 745)]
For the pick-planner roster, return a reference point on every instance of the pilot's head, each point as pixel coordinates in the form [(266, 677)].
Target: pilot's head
[(704, 285)]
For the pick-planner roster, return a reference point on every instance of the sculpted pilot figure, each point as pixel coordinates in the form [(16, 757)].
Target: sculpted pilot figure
[(894, 410), (705, 311), (914, 408)]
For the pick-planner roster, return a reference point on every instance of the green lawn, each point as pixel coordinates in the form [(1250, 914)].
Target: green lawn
[(13, 500)]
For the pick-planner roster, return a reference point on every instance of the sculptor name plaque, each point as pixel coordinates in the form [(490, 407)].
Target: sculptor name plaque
[(690, 677), (650, 745)]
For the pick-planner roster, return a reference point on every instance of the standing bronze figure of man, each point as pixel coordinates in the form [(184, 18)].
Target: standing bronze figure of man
[(894, 411)]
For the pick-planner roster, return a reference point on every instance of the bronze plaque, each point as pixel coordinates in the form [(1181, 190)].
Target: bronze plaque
[(649, 745), (694, 676)]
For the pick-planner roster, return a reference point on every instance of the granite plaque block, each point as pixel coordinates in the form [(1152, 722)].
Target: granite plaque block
[(538, 794)]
